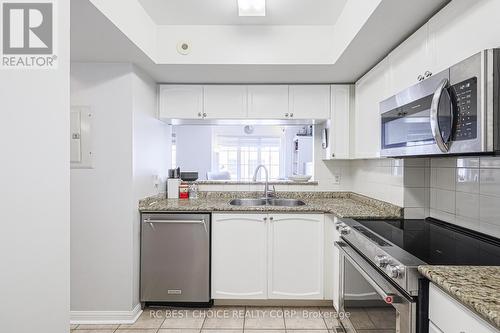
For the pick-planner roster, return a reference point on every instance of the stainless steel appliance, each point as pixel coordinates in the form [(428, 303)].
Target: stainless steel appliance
[(380, 287), (453, 112), (175, 259)]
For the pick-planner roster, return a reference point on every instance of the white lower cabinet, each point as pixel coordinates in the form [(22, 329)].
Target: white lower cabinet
[(447, 315), (267, 256), (295, 254), (239, 256)]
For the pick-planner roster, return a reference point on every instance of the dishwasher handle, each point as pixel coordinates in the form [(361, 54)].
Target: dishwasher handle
[(151, 222)]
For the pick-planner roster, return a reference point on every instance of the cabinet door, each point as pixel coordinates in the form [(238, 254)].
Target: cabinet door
[(339, 124), (450, 316), (296, 248), (239, 256), (268, 102), (409, 60), (225, 101), (181, 101), (371, 89), (309, 102), (462, 29)]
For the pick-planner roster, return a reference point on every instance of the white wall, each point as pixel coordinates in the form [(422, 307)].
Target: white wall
[(101, 228), (130, 147), (151, 155), (34, 196)]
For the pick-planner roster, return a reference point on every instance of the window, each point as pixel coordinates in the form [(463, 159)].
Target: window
[(240, 155)]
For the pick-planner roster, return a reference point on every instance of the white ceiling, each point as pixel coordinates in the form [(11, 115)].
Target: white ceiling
[(392, 22), (225, 12)]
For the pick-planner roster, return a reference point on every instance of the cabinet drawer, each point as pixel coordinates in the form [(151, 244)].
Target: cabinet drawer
[(452, 317)]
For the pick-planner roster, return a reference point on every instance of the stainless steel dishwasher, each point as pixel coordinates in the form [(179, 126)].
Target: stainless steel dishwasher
[(175, 259)]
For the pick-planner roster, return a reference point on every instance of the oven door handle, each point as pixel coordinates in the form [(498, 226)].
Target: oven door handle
[(388, 297), (434, 116)]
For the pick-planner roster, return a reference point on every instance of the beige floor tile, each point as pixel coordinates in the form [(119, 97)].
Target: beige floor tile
[(96, 327), (264, 318), (303, 319), (126, 330), (264, 331), (178, 330), (224, 318), (145, 320), (92, 331), (360, 320), (331, 317), (219, 330), (184, 318), (307, 331), (382, 318)]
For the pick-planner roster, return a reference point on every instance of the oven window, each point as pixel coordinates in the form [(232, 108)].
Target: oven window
[(408, 125), (367, 310)]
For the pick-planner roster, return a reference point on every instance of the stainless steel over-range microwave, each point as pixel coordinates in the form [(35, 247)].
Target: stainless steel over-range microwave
[(453, 112)]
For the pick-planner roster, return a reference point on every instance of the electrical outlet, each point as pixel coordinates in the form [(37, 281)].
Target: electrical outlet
[(336, 179)]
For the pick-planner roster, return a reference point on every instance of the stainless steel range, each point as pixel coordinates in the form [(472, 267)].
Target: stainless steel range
[(380, 287)]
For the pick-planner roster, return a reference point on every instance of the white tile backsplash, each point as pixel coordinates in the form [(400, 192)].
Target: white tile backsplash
[(467, 180), (489, 181), (443, 178), (467, 205), (464, 191)]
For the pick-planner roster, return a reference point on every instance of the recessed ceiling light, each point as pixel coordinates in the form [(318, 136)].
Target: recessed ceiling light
[(252, 7)]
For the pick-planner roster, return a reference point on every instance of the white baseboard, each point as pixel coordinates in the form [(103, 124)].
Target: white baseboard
[(105, 317)]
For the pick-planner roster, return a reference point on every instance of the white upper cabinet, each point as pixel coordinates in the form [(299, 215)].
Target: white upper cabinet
[(371, 89), (268, 102), (225, 101), (309, 101), (296, 249), (239, 256), (462, 29), (410, 62), (338, 127), (181, 102)]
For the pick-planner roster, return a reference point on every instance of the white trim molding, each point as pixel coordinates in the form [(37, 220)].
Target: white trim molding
[(105, 317)]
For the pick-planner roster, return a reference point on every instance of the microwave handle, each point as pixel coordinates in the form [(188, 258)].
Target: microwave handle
[(434, 117)]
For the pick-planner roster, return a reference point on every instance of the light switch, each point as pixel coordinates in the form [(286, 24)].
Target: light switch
[(75, 140), (81, 155)]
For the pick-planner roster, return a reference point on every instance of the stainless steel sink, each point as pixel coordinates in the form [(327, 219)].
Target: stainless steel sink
[(248, 202), (269, 202), (286, 202)]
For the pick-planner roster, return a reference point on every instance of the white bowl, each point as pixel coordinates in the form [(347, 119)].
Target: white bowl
[(300, 178)]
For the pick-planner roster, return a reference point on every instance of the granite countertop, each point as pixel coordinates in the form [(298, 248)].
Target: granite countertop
[(341, 204), (477, 287)]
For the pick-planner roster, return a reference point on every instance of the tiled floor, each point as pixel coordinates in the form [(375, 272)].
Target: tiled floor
[(227, 320)]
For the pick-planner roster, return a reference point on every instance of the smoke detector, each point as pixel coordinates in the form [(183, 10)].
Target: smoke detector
[(183, 47)]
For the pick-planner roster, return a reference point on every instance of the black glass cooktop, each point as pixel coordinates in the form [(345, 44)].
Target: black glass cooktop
[(438, 243)]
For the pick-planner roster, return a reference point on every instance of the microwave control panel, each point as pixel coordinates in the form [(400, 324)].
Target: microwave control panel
[(465, 95)]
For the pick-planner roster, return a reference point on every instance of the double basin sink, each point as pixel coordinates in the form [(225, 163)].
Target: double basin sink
[(267, 202)]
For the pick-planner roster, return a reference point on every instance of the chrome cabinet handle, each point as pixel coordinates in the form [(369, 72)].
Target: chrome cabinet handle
[(204, 115), (265, 218), (434, 117), (291, 114), (199, 114), (286, 115), (420, 78), (428, 74)]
